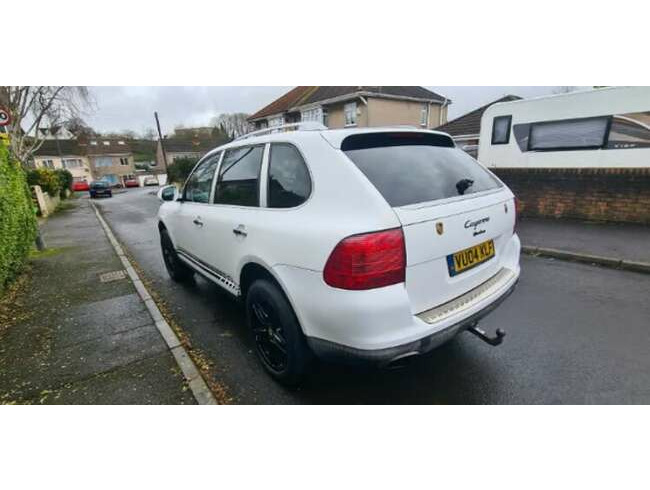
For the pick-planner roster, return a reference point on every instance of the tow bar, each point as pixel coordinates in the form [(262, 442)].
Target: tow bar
[(482, 334)]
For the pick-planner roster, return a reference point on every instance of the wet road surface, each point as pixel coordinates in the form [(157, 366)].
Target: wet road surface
[(576, 334)]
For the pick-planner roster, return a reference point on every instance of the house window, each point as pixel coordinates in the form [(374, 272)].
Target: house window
[(350, 114), (103, 162), (93, 142), (315, 114), (568, 134), (120, 142), (124, 161), (47, 163), (276, 121), (501, 130), (106, 143), (424, 115), (69, 163)]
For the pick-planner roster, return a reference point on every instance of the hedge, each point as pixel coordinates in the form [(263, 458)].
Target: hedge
[(17, 219), (178, 171), (51, 181)]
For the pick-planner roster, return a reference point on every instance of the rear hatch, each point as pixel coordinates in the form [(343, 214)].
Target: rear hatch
[(456, 215)]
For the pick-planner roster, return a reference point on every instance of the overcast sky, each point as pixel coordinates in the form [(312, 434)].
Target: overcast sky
[(119, 108)]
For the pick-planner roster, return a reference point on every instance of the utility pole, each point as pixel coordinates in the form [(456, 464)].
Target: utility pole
[(162, 144)]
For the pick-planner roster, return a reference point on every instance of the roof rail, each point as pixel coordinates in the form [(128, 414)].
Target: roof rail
[(301, 126)]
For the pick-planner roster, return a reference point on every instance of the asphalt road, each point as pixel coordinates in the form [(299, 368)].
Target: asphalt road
[(576, 334)]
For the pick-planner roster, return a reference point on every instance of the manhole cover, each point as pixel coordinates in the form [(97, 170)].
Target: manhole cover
[(112, 276)]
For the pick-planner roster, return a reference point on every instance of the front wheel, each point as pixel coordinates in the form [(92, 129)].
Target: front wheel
[(279, 342), (176, 268)]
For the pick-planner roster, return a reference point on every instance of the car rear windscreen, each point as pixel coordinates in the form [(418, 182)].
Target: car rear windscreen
[(410, 168)]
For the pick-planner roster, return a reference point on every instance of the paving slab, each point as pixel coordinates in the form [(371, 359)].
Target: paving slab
[(615, 241), (82, 339)]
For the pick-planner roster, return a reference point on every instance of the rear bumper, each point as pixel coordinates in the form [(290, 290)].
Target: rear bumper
[(350, 355)]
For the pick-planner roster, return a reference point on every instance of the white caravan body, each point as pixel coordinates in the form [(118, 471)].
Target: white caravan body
[(599, 128)]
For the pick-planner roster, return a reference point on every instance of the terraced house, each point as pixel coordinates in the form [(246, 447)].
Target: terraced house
[(89, 159), (362, 106)]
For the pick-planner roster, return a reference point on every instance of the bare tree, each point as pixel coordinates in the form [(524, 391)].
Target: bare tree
[(32, 108), (149, 134), (233, 125)]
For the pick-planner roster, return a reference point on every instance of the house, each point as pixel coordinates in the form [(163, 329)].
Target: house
[(187, 145), (367, 106), (110, 159), (64, 154), (466, 129)]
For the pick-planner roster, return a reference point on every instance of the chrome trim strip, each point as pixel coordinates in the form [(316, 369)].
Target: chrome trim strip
[(464, 302)]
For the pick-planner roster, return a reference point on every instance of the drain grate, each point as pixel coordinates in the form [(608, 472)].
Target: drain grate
[(112, 276)]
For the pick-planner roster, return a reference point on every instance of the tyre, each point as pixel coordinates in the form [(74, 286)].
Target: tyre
[(279, 342), (176, 268)]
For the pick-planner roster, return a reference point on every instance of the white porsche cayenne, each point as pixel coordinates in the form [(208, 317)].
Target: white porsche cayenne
[(372, 244)]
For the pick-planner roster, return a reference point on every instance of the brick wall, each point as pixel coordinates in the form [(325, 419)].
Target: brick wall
[(604, 194)]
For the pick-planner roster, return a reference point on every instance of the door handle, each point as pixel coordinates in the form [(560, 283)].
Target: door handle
[(197, 221), (240, 231)]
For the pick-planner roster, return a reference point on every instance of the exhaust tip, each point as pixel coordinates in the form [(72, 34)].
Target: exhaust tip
[(402, 360)]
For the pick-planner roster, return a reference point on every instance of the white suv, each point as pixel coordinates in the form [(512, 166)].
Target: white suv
[(369, 244)]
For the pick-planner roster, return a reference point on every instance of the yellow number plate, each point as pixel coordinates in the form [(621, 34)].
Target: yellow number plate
[(470, 257)]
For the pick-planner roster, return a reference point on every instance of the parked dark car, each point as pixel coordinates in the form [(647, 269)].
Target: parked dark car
[(100, 188)]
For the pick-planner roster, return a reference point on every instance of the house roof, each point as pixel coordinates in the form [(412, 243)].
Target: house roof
[(52, 148), (299, 96), (106, 146), (413, 92), (470, 123), (195, 145), (282, 104)]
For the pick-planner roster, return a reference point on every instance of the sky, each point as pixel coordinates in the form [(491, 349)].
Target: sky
[(119, 108)]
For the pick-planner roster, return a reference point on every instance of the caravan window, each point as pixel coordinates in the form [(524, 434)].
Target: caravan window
[(569, 134), (501, 130), (630, 131)]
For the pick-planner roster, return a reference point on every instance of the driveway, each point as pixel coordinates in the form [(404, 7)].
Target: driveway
[(576, 334)]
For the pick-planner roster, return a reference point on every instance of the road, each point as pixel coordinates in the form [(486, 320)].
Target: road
[(576, 334)]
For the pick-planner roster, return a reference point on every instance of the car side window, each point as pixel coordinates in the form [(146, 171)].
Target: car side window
[(199, 185), (289, 182), (239, 177)]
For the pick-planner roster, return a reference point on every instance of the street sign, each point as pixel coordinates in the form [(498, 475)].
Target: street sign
[(5, 117)]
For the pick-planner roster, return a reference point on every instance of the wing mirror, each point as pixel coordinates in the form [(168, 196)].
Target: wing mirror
[(168, 193)]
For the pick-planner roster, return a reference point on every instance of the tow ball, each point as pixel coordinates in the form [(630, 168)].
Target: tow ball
[(482, 334)]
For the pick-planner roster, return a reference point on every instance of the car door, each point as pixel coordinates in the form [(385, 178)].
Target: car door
[(188, 224), (230, 223)]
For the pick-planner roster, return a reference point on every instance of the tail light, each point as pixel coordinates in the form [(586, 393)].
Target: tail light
[(368, 261)]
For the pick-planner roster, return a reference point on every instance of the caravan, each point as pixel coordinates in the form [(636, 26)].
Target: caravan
[(600, 128)]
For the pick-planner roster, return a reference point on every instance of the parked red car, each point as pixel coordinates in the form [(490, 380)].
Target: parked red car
[(80, 185), (131, 183)]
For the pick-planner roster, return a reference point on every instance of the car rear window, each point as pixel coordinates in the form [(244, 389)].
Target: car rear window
[(410, 168)]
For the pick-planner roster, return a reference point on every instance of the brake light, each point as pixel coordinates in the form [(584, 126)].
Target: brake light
[(368, 261)]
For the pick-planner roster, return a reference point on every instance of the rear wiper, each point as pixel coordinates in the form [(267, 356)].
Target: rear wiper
[(464, 184)]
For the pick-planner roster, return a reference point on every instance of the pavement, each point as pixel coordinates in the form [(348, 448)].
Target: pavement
[(84, 335), (576, 334), (619, 245)]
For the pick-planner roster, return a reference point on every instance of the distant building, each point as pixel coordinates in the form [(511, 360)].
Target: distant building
[(64, 154), (110, 159), (367, 106), (187, 147), (466, 129)]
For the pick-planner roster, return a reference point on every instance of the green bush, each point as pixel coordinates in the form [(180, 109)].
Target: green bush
[(178, 171), (65, 179), (48, 180), (17, 220)]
